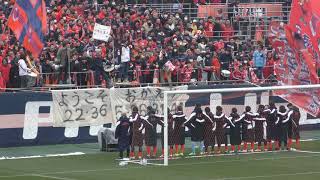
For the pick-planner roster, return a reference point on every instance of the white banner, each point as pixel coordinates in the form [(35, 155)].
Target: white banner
[(81, 107), (101, 32), (123, 99)]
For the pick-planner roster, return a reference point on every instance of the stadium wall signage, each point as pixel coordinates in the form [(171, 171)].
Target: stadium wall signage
[(27, 118), (243, 10)]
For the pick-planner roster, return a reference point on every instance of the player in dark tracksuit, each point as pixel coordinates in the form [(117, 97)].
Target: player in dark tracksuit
[(137, 136), (179, 130), (293, 125), (123, 134), (271, 115), (196, 123), (282, 127), (260, 128), (221, 122), (209, 134), (150, 123), (171, 138), (235, 130), (248, 129)]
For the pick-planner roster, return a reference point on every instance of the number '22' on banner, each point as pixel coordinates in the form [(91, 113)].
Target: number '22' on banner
[(81, 107)]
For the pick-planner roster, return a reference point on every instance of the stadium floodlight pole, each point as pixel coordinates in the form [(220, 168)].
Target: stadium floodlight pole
[(221, 90)]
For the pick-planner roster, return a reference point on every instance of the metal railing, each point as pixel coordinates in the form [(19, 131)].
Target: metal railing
[(177, 78)]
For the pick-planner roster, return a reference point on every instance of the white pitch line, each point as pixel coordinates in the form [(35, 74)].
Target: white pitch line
[(51, 177), (135, 162), (181, 164), (81, 153), (234, 154), (244, 160), (43, 156), (302, 140), (310, 152), (268, 176), (306, 140), (37, 175), (14, 176)]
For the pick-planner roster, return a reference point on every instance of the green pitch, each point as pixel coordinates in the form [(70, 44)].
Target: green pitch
[(96, 165)]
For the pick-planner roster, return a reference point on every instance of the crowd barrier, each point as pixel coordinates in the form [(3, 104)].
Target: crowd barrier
[(87, 79)]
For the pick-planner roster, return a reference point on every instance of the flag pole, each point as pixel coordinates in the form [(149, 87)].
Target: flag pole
[(69, 69)]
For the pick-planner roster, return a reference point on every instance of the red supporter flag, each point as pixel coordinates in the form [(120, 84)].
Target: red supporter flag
[(28, 21), (297, 47)]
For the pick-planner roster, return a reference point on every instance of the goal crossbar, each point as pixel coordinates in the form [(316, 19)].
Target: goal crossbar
[(220, 90), (266, 88)]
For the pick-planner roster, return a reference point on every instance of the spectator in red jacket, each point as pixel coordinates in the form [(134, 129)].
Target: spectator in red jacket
[(209, 27), (216, 67), (186, 72), (2, 83), (227, 31), (218, 45), (268, 70), (5, 70)]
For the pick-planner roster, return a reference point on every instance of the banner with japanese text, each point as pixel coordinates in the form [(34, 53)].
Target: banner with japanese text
[(123, 99), (94, 107), (81, 107)]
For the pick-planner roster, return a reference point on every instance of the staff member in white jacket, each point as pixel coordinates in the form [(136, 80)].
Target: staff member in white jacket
[(125, 59), (23, 72)]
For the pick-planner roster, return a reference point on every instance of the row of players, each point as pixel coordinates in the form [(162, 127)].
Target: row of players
[(267, 126)]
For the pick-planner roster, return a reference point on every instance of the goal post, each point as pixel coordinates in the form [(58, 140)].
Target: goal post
[(221, 90)]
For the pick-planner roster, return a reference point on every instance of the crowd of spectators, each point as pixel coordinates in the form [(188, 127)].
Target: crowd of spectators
[(145, 47)]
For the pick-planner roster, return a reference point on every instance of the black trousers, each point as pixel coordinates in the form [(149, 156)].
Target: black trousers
[(24, 81), (121, 153), (284, 134), (64, 70)]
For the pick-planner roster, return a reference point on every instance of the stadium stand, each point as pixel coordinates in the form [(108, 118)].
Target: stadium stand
[(155, 42)]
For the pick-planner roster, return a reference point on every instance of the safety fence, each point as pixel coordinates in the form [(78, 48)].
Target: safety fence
[(153, 77)]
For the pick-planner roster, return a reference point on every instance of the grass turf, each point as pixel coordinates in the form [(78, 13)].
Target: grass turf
[(95, 166)]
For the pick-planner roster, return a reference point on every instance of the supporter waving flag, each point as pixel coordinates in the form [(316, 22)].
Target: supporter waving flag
[(28, 21)]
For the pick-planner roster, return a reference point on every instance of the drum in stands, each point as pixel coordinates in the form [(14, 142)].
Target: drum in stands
[(225, 73)]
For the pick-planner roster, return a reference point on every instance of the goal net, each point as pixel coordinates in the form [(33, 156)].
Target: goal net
[(213, 122), (234, 120)]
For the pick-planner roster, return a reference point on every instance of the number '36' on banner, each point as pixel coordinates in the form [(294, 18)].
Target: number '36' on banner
[(81, 107)]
